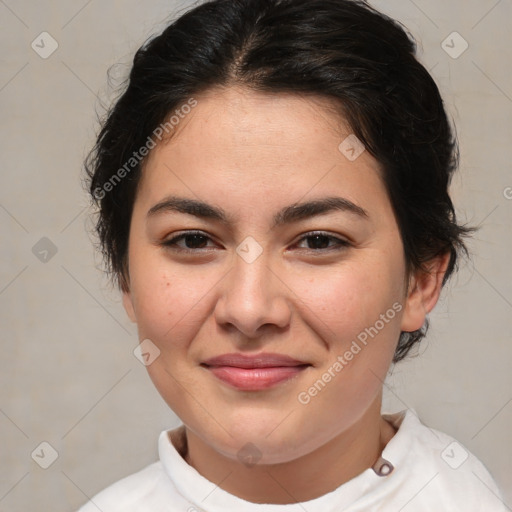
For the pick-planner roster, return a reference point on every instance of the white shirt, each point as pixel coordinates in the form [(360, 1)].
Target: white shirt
[(431, 472)]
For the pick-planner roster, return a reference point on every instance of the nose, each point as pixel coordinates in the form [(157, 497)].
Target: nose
[(253, 297)]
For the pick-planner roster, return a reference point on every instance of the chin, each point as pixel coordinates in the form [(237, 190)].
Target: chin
[(269, 440), (254, 450)]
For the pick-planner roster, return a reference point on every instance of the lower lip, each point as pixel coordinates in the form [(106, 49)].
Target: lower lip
[(255, 379)]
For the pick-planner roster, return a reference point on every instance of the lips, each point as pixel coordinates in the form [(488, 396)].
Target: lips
[(254, 373)]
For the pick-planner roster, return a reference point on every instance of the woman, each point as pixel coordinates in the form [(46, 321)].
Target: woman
[(273, 204)]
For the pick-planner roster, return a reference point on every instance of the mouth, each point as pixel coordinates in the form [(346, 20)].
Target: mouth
[(254, 373)]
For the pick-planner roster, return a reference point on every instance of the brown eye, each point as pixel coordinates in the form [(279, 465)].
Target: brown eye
[(193, 240), (320, 242)]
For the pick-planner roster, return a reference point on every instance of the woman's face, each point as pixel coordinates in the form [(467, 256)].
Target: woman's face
[(258, 281)]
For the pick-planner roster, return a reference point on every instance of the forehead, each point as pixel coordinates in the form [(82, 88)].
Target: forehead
[(248, 121), (242, 147)]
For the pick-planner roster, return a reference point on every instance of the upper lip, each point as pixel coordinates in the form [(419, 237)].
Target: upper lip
[(265, 360)]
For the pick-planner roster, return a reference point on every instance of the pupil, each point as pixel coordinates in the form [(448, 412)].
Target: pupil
[(316, 239), (196, 241)]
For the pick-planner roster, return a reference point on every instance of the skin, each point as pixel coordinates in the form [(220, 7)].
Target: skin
[(252, 154)]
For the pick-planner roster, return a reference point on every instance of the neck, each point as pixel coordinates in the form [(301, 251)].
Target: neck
[(308, 477)]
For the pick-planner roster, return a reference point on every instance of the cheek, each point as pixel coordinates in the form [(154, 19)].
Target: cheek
[(349, 299), (166, 298), (360, 313)]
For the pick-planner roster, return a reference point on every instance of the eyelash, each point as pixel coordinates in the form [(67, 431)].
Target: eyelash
[(171, 244)]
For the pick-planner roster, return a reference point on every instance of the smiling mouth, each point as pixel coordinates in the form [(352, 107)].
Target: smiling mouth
[(254, 372), (255, 379)]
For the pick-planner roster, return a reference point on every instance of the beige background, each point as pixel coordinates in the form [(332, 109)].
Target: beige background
[(68, 375)]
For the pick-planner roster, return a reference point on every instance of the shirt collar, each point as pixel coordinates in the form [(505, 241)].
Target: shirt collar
[(207, 496)]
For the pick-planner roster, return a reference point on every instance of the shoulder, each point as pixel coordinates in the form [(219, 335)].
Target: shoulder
[(138, 492), (442, 471)]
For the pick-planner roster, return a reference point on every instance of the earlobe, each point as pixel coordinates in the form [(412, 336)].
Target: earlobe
[(128, 306), (423, 293)]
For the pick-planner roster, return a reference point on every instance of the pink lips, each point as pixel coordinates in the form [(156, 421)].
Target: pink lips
[(253, 373)]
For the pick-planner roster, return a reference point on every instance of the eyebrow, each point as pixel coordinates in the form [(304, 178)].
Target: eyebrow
[(289, 214)]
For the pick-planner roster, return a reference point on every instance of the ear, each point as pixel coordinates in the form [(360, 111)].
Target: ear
[(128, 306), (423, 293)]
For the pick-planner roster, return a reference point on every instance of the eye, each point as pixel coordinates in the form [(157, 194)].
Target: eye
[(196, 241), (319, 241), (193, 240)]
